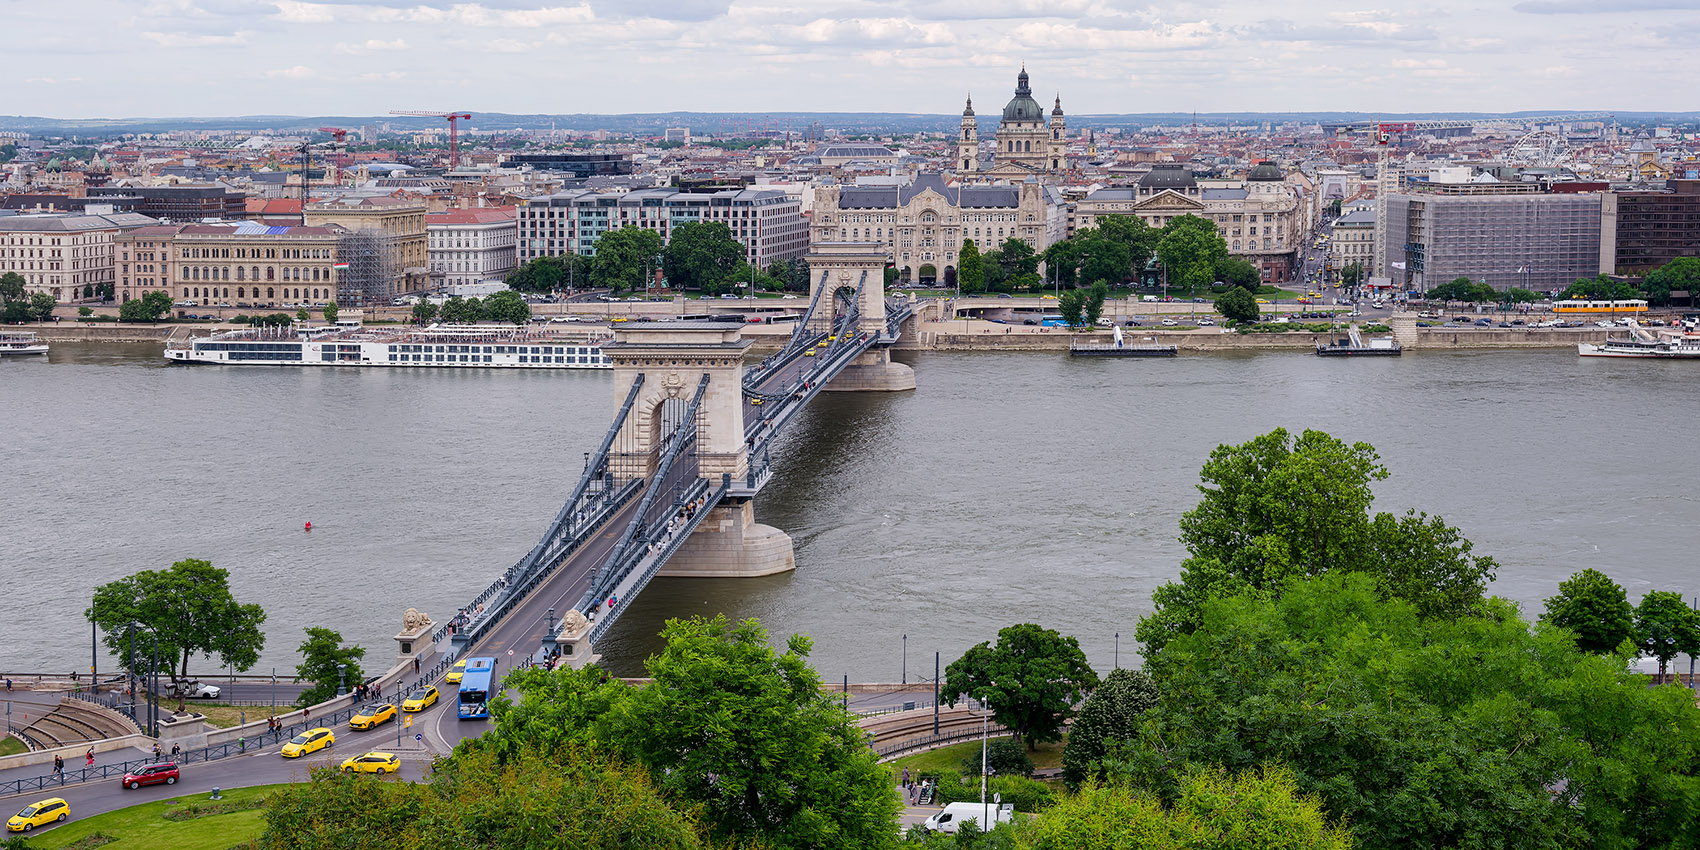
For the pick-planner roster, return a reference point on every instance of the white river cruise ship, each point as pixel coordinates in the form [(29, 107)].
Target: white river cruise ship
[(461, 346)]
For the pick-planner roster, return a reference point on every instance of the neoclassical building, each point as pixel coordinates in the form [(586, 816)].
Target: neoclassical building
[(922, 225), (1026, 144)]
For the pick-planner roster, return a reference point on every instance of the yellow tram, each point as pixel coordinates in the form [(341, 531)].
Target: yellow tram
[(1631, 305)]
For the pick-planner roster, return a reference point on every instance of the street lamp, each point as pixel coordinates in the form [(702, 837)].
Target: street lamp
[(341, 670), (906, 659), (1118, 662)]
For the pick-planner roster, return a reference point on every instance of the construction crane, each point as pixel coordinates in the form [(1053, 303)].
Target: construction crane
[(341, 137), (454, 129)]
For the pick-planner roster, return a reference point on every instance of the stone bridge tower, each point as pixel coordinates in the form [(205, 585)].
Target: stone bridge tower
[(841, 265)]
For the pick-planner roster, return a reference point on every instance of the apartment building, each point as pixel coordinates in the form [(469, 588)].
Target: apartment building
[(471, 246), (237, 264), (66, 256), (769, 222)]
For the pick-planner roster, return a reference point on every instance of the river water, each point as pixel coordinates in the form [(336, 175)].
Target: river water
[(1007, 488)]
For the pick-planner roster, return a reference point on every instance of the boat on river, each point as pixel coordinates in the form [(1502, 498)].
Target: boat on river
[(1120, 348), (1354, 345), (1667, 344), (21, 342), (446, 346)]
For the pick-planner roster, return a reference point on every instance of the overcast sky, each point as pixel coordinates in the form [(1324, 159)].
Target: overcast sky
[(123, 58)]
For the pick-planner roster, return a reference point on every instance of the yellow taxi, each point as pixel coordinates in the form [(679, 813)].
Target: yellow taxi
[(833, 338), (40, 813), (421, 699), (456, 672), (310, 741), (373, 762), (1263, 301), (809, 352), (756, 402), (372, 715)]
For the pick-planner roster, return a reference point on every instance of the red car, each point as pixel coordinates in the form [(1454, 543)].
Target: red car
[(152, 774)]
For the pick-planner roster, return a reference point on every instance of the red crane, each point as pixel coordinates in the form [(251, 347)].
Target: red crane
[(454, 130), (341, 137)]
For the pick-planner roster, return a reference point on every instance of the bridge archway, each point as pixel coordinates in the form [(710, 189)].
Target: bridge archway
[(928, 274), (672, 358)]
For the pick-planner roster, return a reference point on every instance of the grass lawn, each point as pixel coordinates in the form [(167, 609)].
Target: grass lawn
[(11, 746), (226, 716), (145, 827), (950, 758)]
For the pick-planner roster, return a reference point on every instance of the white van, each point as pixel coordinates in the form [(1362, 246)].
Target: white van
[(953, 814), (1148, 298), (1106, 323)]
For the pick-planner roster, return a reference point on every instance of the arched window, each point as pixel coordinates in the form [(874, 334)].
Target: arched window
[(268, 292), (241, 292), (256, 272), (239, 274), (270, 272)]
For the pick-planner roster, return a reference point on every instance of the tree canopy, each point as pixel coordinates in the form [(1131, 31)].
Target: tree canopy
[(1239, 305), (700, 255), (969, 273), (321, 652), (1190, 249), (1666, 626), (1278, 507), (1111, 713), (149, 307), (189, 608), (1423, 732), (1594, 609), (624, 257), (727, 727), (1031, 679), (1682, 273), (550, 274)]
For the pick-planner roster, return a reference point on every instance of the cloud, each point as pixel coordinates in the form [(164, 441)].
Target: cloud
[(178, 39), (1588, 7), (297, 72), (371, 45), (666, 10)]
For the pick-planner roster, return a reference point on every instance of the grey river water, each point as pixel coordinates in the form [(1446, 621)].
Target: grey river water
[(1007, 488)]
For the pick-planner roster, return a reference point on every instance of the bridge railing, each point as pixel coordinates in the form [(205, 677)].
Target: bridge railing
[(657, 548)]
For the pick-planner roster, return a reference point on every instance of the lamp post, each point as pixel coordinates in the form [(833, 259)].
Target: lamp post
[(905, 659), (274, 692), (986, 713), (94, 653), (1118, 661), (341, 670)]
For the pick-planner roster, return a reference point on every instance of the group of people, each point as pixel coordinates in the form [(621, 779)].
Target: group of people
[(913, 790)]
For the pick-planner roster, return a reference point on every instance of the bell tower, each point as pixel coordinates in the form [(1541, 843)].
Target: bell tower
[(1057, 145), (968, 143)]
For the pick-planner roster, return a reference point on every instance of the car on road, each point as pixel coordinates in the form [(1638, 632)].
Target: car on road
[(310, 741), (1206, 322), (455, 672), (39, 813), (373, 762), (372, 715), (788, 298), (195, 690), (1169, 323), (1263, 301), (757, 402), (1484, 323), (1602, 324), (1005, 295), (164, 773), (421, 699), (808, 352)]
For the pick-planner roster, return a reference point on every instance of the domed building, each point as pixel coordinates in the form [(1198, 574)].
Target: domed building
[(1026, 144)]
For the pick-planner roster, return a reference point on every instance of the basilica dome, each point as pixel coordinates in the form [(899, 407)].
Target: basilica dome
[(1023, 107)]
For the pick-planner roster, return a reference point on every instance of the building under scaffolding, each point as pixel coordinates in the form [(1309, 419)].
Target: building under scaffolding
[(370, 275)]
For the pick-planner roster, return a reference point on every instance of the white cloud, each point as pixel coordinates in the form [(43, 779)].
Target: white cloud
[(296, 72), (372, 44), (177, 39)]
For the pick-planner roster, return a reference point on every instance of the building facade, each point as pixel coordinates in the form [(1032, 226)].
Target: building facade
[(1261, 217), (471, 246), (177, 204), (923, 224), (244, 265), (1531, 240), (1655, 227), (577, 164), (385, 246), (768, 222), (1353, 241), (67, 256)]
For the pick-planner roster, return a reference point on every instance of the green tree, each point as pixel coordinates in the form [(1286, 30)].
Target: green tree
[(147, 308), (1239, 305), (1594, 609), (1133, 233), (1031, 679), (189, 608), (1003, 757), (41, 306), (330, 312), (85, 311), (1519, 295), (548, 274), (11, 287), (1111, 713), (506, 306), (424, 311), (1028, 282), (321, 652), (891, 276), (573, 800), (747, 735), (1682, 273), (1665, 626), (301, 315), (1093, 307), (970, 276), (1062, 261), (997, 274), (1422, 732), (1017, 258), (793, 274), (1101, 257), (1239, 272), (624, 258), (699, 253), (1277, 507), (1212, 810), (461, 311), (1190, 248), (1072, 307), (1352, 274)]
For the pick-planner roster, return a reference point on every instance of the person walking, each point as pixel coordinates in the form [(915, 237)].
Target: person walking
[(58, 766), (416, 664), (156, 752), (906, 777), (90, 757), (175, 749)]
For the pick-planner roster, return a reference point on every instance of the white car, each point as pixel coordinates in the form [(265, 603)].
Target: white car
[(1169, 323), (196, 690), (1603, 323), (1206, 322)]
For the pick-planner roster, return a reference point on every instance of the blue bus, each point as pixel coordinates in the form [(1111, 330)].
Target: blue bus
[(475, 687)]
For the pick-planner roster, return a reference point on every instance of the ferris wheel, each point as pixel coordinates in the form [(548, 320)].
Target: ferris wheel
[(1540, 147)]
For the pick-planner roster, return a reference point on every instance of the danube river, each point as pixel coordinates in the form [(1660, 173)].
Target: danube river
[(1007, 488)]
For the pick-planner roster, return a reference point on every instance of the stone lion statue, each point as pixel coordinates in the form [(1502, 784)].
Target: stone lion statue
[(574, 624), (413, 620)]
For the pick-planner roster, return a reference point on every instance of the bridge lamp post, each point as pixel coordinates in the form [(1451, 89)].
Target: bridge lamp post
[(551, 621), (906, 659), (341, 671)]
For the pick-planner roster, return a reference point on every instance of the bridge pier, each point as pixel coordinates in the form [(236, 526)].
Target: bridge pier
[(872, 371), (729, 543)]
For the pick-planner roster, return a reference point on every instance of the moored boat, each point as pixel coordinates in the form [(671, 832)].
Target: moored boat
[(459, 346), (1666, 345), (21, 342)]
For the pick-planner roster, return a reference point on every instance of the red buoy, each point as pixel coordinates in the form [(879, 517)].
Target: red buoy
[(308, 527)]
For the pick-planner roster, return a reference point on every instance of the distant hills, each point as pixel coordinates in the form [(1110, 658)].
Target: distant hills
[(720, 122)]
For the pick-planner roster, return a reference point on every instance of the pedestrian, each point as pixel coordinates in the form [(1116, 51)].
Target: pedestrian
[(416, 664), (241, 744), (906, 777), (156, 752), (175, 749), (90, 756), (8, 685), (58, 766)]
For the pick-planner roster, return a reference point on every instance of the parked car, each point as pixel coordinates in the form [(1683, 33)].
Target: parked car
[(194, 690), (39, 813), (164, 773), (1169, 323)]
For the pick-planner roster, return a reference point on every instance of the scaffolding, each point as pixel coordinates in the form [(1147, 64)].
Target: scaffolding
[(370, 276)]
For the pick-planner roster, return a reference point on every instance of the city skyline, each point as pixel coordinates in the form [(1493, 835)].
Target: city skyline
[(242, 57)]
